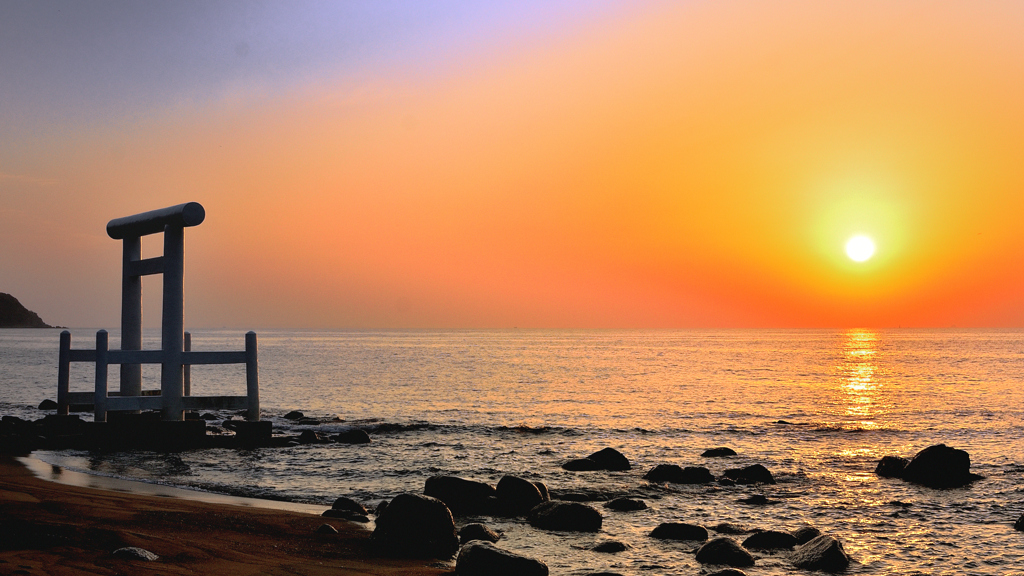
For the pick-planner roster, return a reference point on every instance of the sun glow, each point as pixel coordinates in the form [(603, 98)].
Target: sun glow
[(860, 248)]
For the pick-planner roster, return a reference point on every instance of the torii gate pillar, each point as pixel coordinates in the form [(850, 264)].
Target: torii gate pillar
[(172, 222)]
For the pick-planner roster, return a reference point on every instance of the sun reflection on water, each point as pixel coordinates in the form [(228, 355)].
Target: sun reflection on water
[(858, 378)]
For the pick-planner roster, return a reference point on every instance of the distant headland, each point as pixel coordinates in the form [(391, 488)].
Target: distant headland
[(14, 315)]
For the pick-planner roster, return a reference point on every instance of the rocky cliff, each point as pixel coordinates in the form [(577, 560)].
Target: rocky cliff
[(14, 315)]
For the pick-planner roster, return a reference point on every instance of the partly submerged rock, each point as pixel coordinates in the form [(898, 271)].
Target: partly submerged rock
[(349, 505), (480, 558), (610, 547), (463, 497), (770, 540), (477, 531), (47, 405), (678, 475), (517, 496), (567, 516), (753, 474), (415, 526), (725, 551), (680, 531), (605, 459), (626, 504), (822, 553), (1019, 524), (805, 534), (940, 466), (718, 452), (891, 466)]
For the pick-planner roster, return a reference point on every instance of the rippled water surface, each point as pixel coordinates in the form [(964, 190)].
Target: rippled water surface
[(818, 408)]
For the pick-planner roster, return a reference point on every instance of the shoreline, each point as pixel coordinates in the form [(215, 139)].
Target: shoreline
[(52, 527)]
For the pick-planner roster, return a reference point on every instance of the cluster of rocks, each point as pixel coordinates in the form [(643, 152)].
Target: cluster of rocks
[(423, 525), (938, 466), (808, 547)]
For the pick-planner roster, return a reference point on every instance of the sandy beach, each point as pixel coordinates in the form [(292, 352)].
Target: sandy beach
[(51, 528)]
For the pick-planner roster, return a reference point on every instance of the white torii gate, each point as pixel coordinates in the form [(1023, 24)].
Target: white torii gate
[(175, 355)]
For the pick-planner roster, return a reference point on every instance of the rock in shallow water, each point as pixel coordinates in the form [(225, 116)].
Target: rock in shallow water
[(679, 531), (567, 516), (480, 558), (724, 551), (463, 497), (753, 474), (610, 547), (940, 466), (891, 467), (770, 540), (477, 531), (416, 526), (606, 459), (1019, 524), (806, 534), (719, 452), (517, 496), (822, 553), (677, 475)]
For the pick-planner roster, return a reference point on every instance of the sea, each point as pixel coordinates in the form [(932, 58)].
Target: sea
[(818, 408)]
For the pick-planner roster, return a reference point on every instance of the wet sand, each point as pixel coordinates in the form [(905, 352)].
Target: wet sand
[(53, 528)]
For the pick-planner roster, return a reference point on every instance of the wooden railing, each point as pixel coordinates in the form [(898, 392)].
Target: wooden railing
[(102, 401)]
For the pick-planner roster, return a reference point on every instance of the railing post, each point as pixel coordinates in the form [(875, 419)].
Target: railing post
[(187, 368), (172, 375), (100, 399), (64, 374), (252, 377)]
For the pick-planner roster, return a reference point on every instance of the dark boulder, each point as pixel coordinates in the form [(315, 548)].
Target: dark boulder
[(725, 551), (606, 459), (719, 452), (477, 531), (463, 497), (940, 466), (680, 531), (567, 516), (626, 504), (47, 405), (891, 467), (610, 547), (415, 526), (1019, 524), (677, 475), (349, 505), (822, 553), (805, 534), (480, 558), (610, 459), (353, 436), (294, 415), (753, 474), (516, 496), (770, 540)]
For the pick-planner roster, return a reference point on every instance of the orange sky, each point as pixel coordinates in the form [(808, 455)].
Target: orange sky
[(698, 165)]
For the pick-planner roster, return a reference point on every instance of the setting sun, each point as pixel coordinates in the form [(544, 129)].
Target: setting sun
[(860, 248)]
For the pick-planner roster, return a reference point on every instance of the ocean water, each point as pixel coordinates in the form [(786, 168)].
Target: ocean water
[(818, 408)]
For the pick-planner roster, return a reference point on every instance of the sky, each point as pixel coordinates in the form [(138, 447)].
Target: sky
[(530, 164)]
